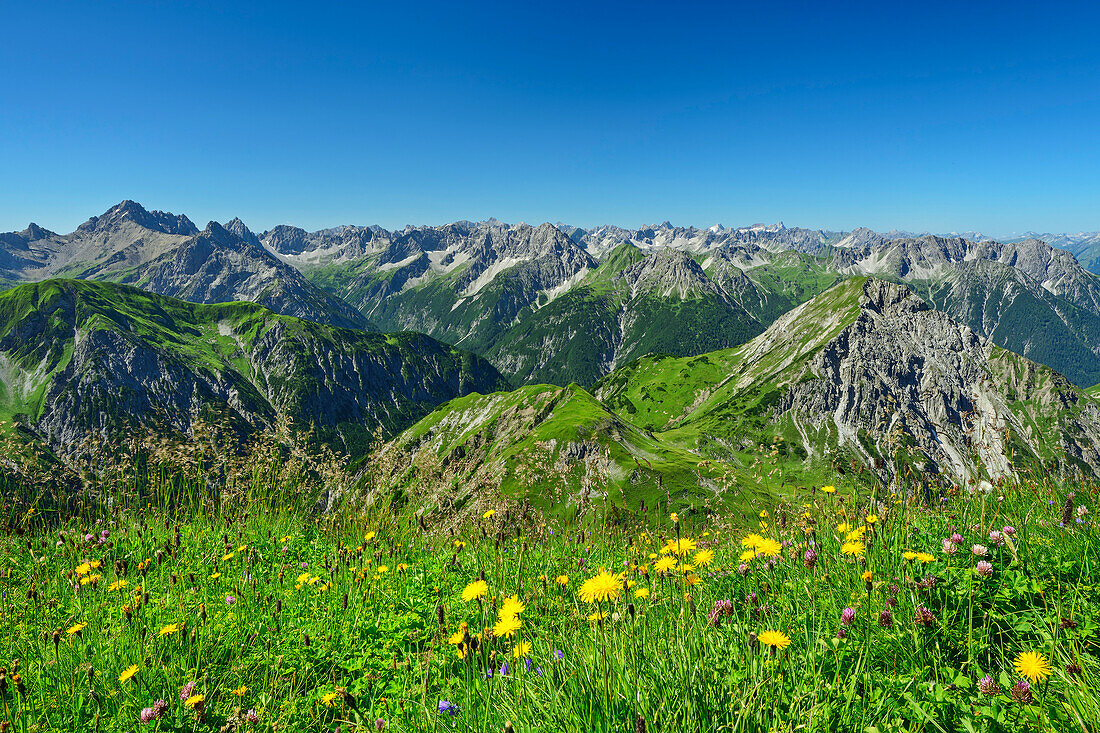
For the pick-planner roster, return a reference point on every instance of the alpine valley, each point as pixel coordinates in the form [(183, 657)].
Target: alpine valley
[(564, 364)]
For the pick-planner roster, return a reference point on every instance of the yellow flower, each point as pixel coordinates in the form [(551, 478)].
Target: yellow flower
[(752, 541), (521, 650), (693, 580), (77, 628), (856, 535), (597, 615), (194, 700), (909, 555), (369, 536), (83, 568), (681, 547), (118, 585), (769, 548), (843, 528), (704, 558), (459, 544), (475, 590), (239, 692), (871, 518), (763, 513), (329, 699), (383, 569), (458, 636), (507, 626), (242, 548), (674, 517), (599, 588), (747, 555), (664, 564), (641, 593), (562, 580), (303, 578), (777, 639), (653, 556), (168, 630), (925, 557), (128, 673), (512, 606), (94, 563), (853, 548), (686, 567), (215, 576), (489, 513), (1032, 665), (828, 489), (866, 576), (227, 556)]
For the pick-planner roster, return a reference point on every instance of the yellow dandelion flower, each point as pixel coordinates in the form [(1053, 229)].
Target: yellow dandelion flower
[(459, 544), (599, 588), (909, 555), (681, 547), (369, 536), (383, 569), (303, 578), (94, 564), (769, 548), (925, 557), (507, 626), (747, 555), (128, 673), (83, 569), (685, 567), (776, 639), (239, 692), (475, 590), (871, 518), (194, 700), (1032, 665), (168, 630), (828, 489), (693, 580), (866, 576), (752, 541), (674, 517), (118, 585), (227, 556), (489, 513), (329, 699), (843, 528), (562, 580), (703, 558), (512, 606), (856, 535), (77, 628), (597, 616), (521, 650), (854, 549), (641, 593), (664, 564), (215, 576)]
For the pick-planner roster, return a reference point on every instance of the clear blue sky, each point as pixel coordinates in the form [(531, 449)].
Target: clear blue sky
[(920, 116)]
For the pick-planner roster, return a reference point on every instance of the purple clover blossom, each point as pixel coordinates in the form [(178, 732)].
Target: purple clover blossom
[(984, 568), (1009, 531), (956, 538), (146, 716), (185, 691), (89, 538), (847, 616), (987, 686), (809, 559), (230, 600), (950, 547)]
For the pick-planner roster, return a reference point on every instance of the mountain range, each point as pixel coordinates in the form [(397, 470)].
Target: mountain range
[(662, 360)]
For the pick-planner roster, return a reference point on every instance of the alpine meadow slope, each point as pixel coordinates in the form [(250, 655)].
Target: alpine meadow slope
[(85, 359)]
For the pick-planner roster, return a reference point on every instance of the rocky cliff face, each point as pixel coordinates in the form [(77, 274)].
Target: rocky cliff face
[(912, 380)]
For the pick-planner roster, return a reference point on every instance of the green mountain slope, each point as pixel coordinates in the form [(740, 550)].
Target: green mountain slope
[(559, 447), (81, 357)]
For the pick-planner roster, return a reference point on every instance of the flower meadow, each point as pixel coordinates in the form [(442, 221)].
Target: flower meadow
[(832, 610)]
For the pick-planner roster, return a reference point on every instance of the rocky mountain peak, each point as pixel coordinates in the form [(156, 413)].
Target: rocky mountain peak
[(131, 211), (237, 227)]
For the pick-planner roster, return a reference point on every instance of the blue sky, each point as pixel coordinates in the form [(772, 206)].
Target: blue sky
[(919, 116)]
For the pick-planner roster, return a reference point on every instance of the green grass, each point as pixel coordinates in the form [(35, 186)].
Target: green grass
[(314, 622)]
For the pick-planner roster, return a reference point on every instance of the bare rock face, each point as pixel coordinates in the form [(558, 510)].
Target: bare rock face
[(916, 382)]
